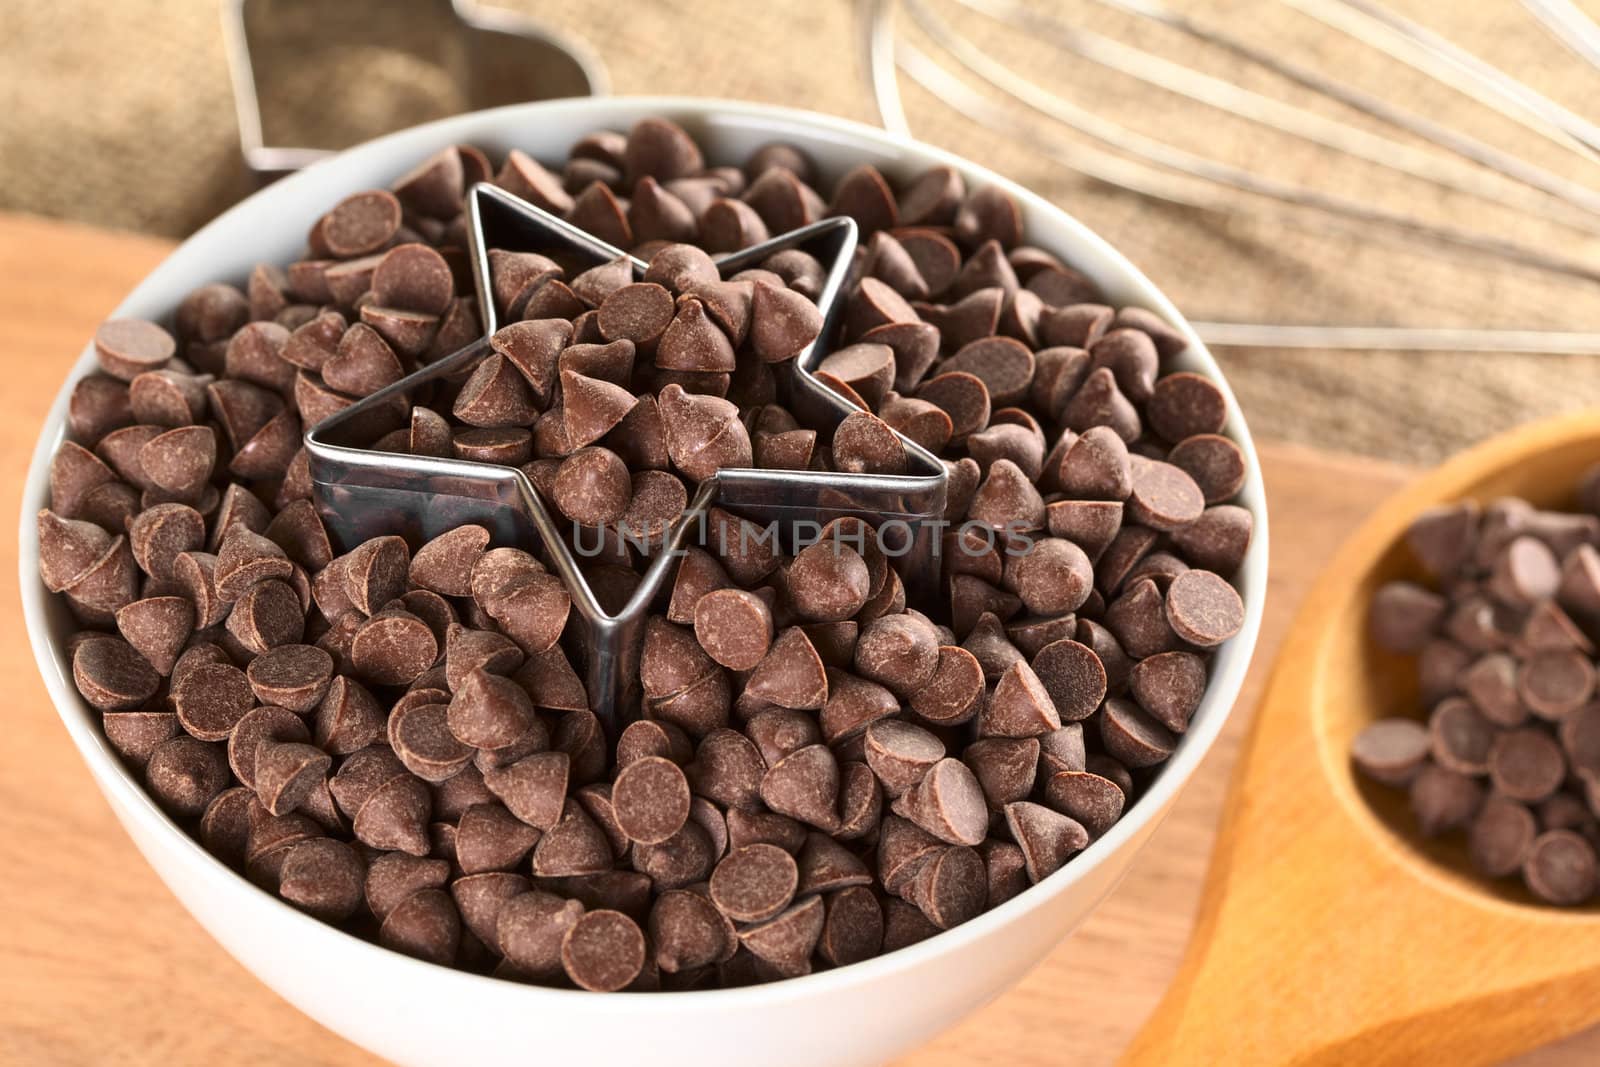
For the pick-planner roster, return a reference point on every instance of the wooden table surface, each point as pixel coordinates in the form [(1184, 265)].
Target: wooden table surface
[(96, 957)]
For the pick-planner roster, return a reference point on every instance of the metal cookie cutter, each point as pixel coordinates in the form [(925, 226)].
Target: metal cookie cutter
[(363, 493), (424, 59)]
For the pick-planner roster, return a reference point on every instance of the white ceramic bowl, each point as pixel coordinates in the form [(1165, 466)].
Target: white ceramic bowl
[(417, 1013)]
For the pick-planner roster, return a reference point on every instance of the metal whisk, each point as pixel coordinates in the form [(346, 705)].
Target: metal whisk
[(1149, 166)]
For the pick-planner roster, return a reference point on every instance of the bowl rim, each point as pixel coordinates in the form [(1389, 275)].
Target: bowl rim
[(131, 800)]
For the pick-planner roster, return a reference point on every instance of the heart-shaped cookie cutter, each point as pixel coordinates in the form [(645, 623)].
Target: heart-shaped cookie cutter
[(363, 493), (492, 55)]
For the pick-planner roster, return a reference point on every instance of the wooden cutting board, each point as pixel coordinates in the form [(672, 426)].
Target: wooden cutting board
[(98, 961)]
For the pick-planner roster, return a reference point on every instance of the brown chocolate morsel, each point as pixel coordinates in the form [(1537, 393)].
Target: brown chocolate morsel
[(1500, 837), (1215, 463), (1549, 629), (291, 676), (1552, 683), (210, 699), (865, 444), (1099, 402), (603, 951), (530, 928), (754, 882), (1047, 838), (671, 660), (734, 627), (489, 710), (127, 348), (868, 369), (1007, 501), (1052, 576), (728, 769), (184, 774), (1141, 620), (952, 887), (135, 734), (1170, 686), (783, 322), (580, 735), (791, 674), (681, 860), (897, 651), (180, 461), (688, 932), (659, 149), (828, 582), (1526, 764), (1404, 615), (1391, 750), (470, 650), (948, 803), (963, 397), (637, 312), (490, 838), (1133, 737), (804, 785), (988, 213), (1095, 802), (159, 535), (1525, 572), (322, 877), (68, 549), (900, 754), (496, 395), (1443, 538), (592, 487), (112, 675), (1020, 706), (425, 925), (1005, 868), (1490, 683), (98, 405), (1097, 466), (481, 897), (853, 704), (1074, 678), (361, 223), (644, 738), (420, 736), (694, 342), (375, 572), (1460, 737), (392, 648), (1005, 768), (349, 717), (597, 211), (534, 613), (826, 866), (1218, 540), (651, 800), (955, 691), (923, 422), (574, 845), (225, 825), (110, 584), (1561, 868), (246, 559), (1203, 609), (533, 788), (157, 627), (787, 940), (74, 472), (1164, 497), (704, 433)]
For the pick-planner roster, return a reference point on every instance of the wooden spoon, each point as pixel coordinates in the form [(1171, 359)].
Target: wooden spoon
[(1329, 931)]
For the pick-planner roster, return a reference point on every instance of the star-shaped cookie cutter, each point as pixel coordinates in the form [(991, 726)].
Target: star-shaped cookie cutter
[(363, 493)]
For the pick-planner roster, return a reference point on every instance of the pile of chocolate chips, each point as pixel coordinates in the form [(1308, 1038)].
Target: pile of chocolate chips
[(394, 739), (1505, 647)]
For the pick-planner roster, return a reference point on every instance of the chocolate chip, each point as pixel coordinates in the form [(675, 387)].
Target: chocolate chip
[(734, 627), (1443, 800), (1501, 837), (1526, 764), (425, 925), (185, 773), (1203, 609), (1047, 838), (1561, 868)]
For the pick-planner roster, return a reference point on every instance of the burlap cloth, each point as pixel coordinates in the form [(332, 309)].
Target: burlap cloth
[(119, 113)]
